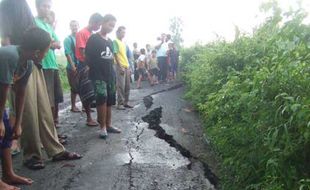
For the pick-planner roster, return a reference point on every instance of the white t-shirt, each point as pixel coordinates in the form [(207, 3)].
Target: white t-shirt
[(142, 58)]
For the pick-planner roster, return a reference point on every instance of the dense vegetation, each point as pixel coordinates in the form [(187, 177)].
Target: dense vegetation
[(254, 97)]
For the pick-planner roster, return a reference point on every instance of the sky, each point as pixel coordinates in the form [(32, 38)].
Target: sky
[(145, 20)]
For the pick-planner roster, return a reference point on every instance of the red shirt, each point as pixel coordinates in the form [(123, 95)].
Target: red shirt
[(81, 39)]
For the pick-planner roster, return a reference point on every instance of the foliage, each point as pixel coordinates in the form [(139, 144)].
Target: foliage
[(254, 96), (62, 63), (176, 28)]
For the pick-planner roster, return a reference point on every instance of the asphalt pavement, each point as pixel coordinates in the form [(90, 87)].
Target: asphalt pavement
[(161, 146)]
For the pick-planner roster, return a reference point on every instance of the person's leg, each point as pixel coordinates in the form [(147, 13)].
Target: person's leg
[(139, 80), (9, 175), (86, 93), (30, 138), (4, 186), (47, 131), (109, 116), (72, 79), (120, 86), (49, 78), (127, 87), (58, 94), (89, 119)]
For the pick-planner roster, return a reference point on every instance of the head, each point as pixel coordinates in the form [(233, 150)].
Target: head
[(148, 47), (95, 21), (15, 18), (51, 19), (108, 23), (153, 53), (142, 51), (170, 45), (74, 26), (163, 36), (44, 8), (135, 45), (168, 37), (35, 43), (120, 33)]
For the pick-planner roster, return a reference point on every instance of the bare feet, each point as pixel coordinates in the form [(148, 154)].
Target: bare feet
[(75, 110), (91, 123), (17, 180), (4, 186)]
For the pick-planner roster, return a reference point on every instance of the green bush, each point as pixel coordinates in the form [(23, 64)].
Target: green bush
[(62, 63), (254, 96)]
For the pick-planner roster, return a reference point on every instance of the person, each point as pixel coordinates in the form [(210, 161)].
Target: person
[(136, 54), (16, 64), (100, 59), (153, 68), (69, 47), (148, 53), (130, 62), (49, 64), (141, 68), (15, 18), (173, 57), (38, 117), (162, 49), (122, 70), (86, 89)]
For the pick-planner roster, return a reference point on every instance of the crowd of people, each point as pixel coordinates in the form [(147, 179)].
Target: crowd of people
[(99, 71)]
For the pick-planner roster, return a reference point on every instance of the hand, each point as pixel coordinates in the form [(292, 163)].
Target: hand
[(74, 69), (17, 131), (55, 45), (2, 129)]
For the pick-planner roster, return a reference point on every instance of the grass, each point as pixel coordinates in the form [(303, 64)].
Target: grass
[(62, 62)]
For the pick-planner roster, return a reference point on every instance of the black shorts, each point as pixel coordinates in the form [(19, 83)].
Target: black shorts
[(104, 92), (142, 72), (154, 72)]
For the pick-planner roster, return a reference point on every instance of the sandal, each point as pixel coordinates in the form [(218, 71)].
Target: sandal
[(62, 136), (63, 141), (113, 130), (65, 155), (34, 164)]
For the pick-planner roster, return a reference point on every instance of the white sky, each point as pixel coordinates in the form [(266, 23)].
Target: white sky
[(145, 20)]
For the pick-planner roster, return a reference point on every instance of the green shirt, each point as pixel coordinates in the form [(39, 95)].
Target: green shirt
[(69, 46), (49, 61)]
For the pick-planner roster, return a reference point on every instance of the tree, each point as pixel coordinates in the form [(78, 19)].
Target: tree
[(176, 29)]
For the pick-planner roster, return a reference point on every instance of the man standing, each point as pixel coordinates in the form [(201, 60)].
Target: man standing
[(69, 46), (49, 64), (161, 55), (38, 118), (100, 59), (122, 70), (86, 89)]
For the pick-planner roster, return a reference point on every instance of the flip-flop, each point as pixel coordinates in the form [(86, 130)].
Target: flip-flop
[(66, 156), (113, 130), (34, 164), (62, 136)]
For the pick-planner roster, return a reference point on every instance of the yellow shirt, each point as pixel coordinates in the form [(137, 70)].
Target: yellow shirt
[(119, 49)]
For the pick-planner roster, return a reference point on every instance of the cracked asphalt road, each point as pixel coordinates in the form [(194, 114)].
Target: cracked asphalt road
[(167, 151)]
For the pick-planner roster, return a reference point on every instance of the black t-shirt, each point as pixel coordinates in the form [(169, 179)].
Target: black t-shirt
[(99, 57)]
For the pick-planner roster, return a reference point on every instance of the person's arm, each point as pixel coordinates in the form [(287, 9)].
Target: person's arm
[(68, 51), (55, 41), (115, 51), (4, 88), (19, 87), (159, 45)]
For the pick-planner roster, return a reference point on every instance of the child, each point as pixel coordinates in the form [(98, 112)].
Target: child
[(142, 68), (16, 64), (153, 68), (100, 59)]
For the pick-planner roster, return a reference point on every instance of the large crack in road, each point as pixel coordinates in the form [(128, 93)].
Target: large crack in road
[(154, 121)]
